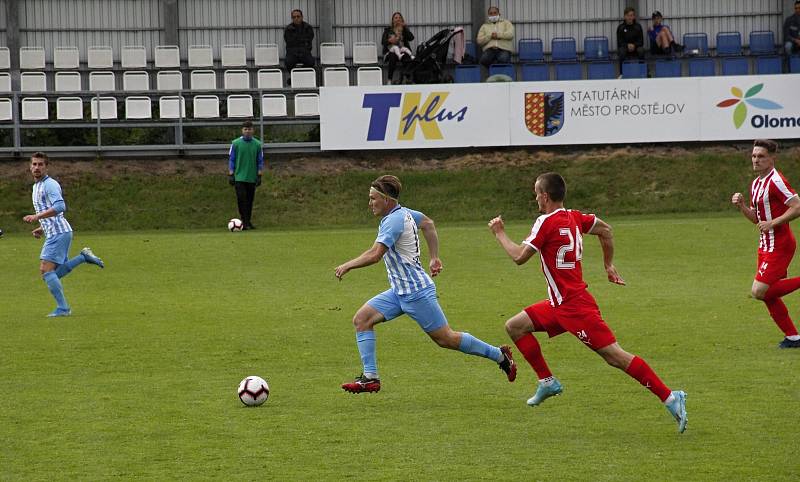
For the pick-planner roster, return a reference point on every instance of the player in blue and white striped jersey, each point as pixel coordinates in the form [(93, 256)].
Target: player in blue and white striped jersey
[(412, 290), (50, 207)]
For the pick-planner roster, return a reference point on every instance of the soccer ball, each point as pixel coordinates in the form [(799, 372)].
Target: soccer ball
[(253, 391), (235, 225)]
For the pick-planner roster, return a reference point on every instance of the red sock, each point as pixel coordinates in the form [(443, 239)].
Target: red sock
[(530, 349), (641, 371), (779, 313), (782, 287)]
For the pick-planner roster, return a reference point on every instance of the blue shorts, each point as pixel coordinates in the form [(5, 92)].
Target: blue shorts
[(422, 306), (56, 248)]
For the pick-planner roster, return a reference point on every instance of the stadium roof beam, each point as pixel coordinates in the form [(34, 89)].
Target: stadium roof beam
[(169, 11), (325, 14), (478, 13), (12, 40)]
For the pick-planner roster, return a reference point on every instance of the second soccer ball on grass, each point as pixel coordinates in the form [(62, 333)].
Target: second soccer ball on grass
[(235, 225)]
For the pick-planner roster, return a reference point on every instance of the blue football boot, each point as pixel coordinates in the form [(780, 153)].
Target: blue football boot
[(545, 391), (91, 258), (678, 409), (59, 312), (787, 343)]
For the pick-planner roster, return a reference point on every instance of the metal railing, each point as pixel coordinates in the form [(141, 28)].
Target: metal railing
[(16, 148)]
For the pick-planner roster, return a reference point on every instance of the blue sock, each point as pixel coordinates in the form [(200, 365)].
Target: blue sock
[(54, 285), (366, 348), (65, 268), (473, 346)]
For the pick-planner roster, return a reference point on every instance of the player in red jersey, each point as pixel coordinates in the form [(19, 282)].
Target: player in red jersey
[(773, 203), (558, 237)]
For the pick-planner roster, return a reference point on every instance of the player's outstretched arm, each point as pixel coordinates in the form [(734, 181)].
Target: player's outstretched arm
[(520, 253), (603, 231), (738, 200), (432, 239), (367, 258), (792, 213)]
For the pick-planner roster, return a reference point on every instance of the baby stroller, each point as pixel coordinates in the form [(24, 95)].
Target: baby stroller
[(427, 66)]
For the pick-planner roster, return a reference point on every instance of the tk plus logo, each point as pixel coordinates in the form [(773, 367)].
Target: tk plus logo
[(414, 113)]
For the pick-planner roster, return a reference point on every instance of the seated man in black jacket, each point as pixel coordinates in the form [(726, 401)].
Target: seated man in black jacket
[(298, 36), (630, 38)]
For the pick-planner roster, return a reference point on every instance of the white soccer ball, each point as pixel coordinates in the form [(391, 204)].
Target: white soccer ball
[(235, 225), (253, 391)]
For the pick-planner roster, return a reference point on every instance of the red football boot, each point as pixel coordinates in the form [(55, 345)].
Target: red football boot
[(507, 365), (364, 384)]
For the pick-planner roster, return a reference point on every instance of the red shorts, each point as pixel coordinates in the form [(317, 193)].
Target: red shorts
[(578, 315), (773, 266)]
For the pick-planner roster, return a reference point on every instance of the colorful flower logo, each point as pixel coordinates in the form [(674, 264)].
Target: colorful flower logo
[(740, 112)]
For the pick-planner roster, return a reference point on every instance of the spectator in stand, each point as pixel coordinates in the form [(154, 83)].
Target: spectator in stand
[(791, 31), (496, 38), (630, 38), (396, 42), (298, 36), (662, 42)]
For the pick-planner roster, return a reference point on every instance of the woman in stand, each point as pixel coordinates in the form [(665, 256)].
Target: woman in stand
[(396, 42)]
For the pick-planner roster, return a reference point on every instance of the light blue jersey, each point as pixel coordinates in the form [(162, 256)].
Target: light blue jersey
[(413, 293), (46, 195), (398, 232)]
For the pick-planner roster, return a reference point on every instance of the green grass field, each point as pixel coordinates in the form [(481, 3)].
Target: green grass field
[(141, 381)]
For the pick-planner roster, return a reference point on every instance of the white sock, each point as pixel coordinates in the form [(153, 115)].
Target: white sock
[(371, 375), (547, 381), (793, 337), (670, 399)]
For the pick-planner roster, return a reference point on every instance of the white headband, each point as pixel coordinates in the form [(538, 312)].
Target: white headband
[(385, 196)]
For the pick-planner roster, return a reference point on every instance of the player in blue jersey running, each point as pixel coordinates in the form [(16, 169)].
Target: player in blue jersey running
[(50, 207), (412, 291)]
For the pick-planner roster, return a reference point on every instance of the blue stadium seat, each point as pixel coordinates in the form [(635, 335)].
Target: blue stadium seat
[(695, 41), (471, 49), (467, 73), (702, 67), (729, 43), (505, 69), (563, 49), (794, 64), (762, 42), (634, 70), (535, 72), (601, 70), (569, 71), (735, 65), (668, 68), (595, 48), (530, 50), (769, 64)]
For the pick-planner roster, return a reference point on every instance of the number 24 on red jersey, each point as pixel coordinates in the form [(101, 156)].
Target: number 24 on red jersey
[(558, 239)]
